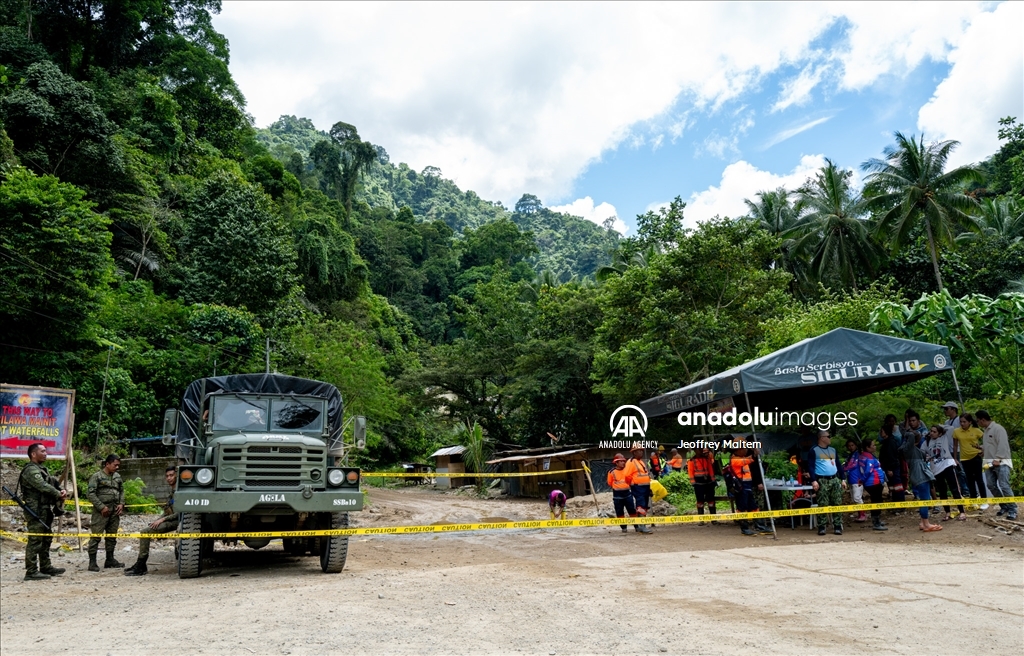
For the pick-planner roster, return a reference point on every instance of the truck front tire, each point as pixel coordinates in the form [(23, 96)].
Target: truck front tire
[(190, 550), (334, 549)]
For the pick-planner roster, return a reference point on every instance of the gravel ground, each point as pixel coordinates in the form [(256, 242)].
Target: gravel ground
[(684, 589)]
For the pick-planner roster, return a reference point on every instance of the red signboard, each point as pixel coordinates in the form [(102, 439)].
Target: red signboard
[(35, 414)]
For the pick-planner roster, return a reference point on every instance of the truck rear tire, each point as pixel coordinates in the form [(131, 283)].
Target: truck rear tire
[(334, 549), (190, 550)]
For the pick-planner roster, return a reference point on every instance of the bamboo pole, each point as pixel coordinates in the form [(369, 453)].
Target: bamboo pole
[(593, 491), (74, 478)]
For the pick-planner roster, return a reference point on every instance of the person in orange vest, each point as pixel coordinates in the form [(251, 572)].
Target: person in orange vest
[(622, 496), (639, 481), (743, 490), (701, 470), (656, 463), (676, 462)]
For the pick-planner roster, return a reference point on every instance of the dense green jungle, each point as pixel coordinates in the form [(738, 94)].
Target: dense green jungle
[(151, 234)]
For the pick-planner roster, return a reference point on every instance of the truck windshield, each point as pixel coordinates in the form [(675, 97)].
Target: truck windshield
[(240, 414), (297, 415)]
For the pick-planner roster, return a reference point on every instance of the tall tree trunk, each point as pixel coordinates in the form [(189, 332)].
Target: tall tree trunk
[(935, 256)]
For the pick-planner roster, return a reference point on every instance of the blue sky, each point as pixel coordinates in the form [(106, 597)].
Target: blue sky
[(847, 127), (610, 109)]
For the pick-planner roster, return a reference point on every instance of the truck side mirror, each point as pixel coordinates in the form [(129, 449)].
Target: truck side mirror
[(359, 432), (170, 426)]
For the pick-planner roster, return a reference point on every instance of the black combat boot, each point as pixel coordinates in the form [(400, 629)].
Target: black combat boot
[(138, 569), (877, 525), (111, 561), (36, 575), (51, 570), (93, 567)]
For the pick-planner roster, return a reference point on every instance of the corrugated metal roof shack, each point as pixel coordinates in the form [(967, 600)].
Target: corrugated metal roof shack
[(546, 459), (449, 461), (567, 457)]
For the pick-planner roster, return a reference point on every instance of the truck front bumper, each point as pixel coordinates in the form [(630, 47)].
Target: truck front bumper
[(216, 501)]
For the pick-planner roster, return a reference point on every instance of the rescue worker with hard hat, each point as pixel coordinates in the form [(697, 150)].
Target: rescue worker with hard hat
[(740, 464), (701, 471), (675, 463), (656, 463), (622, 496), (639, 481)]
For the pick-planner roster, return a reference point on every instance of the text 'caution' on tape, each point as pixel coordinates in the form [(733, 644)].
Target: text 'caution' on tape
[(526, 525)]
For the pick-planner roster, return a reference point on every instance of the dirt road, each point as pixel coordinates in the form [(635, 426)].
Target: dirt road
[(684, 589)]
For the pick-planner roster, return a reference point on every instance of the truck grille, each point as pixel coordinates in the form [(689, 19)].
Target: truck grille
[(271, 466)]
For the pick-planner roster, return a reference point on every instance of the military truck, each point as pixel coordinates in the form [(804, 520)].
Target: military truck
[(263, 453)]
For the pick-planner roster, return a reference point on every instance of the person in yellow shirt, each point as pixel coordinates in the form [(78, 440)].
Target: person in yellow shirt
[(967, 437)]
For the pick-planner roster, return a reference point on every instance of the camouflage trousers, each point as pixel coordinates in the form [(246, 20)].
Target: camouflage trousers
[(37, 549), (830, 493), (100, 525), (167, 526)]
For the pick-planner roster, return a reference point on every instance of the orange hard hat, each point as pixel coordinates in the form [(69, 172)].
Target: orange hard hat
[(618, 458)]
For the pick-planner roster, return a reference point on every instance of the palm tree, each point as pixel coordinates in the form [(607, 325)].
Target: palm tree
[(772, 211), (529, 291), (831, 230), (910, 190), (620, 263), (998, 218)]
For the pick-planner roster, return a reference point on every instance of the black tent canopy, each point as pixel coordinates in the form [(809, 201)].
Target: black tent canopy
[(198, 391), (839, 365)]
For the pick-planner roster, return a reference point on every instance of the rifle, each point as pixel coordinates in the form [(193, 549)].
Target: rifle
[(21, 503)]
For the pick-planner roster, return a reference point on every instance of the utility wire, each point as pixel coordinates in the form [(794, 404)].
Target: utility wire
[(33, 263)]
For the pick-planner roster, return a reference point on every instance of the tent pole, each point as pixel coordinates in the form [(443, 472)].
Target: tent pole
[(959, 396), (764, 482)]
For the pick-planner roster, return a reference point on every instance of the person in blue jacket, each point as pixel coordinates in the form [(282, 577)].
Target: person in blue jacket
[(872, 477)]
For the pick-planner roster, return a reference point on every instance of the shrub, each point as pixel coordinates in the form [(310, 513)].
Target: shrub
[(136, 502), (777, 465), (677, 483)]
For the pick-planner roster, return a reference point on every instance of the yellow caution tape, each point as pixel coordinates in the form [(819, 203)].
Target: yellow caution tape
[(71, 504), (466, 474), (530, 524)]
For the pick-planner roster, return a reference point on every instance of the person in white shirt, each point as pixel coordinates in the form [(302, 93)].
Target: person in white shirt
[(938, 449), (996, 461)]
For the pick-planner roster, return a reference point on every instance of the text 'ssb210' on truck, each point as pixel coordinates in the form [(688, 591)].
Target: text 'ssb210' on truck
[(263, 453)]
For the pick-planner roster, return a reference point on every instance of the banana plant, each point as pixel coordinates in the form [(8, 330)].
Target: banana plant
[(976, 328)]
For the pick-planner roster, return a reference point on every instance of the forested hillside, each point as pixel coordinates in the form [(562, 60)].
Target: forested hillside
[(150, 235), (567, 246)]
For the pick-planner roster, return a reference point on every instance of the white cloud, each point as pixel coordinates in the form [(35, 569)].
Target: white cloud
[(505, 98), (743, 180), (894, 37), (782, 135), (797, 91), (513, 98), (985, 84), (585, 208)]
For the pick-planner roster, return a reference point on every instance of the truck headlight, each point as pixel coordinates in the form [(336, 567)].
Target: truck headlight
[(204, 476), (335, 477)]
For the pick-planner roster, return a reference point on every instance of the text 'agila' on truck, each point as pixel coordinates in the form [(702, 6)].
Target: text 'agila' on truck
[(263, 453)]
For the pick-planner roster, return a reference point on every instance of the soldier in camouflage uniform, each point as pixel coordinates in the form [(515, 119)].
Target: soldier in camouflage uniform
[(106, 494), (166, 524), (39, 492)]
